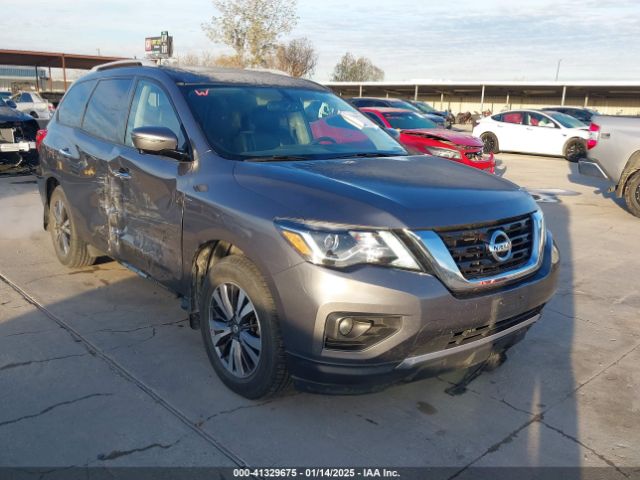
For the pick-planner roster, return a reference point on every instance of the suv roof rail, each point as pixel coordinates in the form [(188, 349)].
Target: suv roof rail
[(123, 63)]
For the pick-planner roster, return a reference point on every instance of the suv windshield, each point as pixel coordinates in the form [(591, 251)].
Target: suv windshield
[(408, 120), (566, 121), (265, 122)]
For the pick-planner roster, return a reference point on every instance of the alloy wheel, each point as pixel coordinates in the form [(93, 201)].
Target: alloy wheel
[(235, 330), (489, 144), (62, 227)]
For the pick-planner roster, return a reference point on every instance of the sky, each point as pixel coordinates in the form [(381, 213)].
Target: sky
[(408, 39)]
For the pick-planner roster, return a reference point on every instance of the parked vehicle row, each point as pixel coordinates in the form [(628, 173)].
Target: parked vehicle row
[(362, 102), (303, 239)]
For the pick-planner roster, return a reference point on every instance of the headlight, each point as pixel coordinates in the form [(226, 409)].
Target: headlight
[(331, 245), (443, 152)]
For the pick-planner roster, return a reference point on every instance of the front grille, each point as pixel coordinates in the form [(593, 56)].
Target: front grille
[(477, 156), (469, 247)]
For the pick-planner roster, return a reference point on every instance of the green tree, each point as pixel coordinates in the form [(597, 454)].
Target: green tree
[(251, 27), (352, 69)]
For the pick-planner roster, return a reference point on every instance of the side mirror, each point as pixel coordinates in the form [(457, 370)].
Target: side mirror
[(393, 132), (154, 139)]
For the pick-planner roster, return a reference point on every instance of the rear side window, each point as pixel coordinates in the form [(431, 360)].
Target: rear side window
[(107, 110), (71, 109), (512, 117)]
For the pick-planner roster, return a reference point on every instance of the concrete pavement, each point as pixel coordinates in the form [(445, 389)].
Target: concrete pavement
[(99, 367)]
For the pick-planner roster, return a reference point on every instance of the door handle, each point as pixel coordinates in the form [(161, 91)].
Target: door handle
[(122, 173), (65, 152)]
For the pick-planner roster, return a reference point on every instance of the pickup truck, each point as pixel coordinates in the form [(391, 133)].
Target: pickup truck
[(614, 154)]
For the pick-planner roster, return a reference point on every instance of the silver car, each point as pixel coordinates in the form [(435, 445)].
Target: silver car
[(33, 104)]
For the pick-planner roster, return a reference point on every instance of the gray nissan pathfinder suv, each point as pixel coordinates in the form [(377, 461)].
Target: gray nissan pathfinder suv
[(302, 238)]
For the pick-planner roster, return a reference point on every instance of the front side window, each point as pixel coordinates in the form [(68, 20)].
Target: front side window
[(71, 109), (107, 109), (25, 98), (250, 122), (408, 120), (151, 108), (533, 119)]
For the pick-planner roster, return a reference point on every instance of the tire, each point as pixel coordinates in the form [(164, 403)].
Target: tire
[(70, 249), (575, 149), (632, 193), (248, 354), (490, 142)]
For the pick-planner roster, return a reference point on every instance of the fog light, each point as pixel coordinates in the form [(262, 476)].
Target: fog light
[(358, 331), (345, 326)]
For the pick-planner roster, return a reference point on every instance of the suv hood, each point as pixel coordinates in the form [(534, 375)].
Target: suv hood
[(387, 192), (457, 138)]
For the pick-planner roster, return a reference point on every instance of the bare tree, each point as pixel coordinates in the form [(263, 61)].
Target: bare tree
[(251, 27), (298, 58), (352, 69)]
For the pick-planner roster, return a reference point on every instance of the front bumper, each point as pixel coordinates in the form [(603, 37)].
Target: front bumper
[(431, 317), (17, 147)]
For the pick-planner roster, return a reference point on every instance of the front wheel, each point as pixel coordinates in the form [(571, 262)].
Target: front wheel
[(70, 249), (490, 142), (575, 149), (632, 194), (240, 329)]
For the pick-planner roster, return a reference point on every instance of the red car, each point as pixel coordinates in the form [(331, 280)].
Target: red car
[(420, 135)]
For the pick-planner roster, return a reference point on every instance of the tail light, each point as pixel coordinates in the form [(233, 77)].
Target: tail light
[(52, 108), (40, 134), (594, 135)]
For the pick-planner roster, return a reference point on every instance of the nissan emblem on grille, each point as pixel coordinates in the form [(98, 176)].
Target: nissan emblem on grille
[(500, 246)]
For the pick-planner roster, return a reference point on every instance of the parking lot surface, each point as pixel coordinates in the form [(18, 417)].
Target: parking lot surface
[(100, 367)]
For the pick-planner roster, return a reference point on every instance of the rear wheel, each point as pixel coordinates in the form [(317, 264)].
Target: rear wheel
[(70, 249), (632, 194), (490, 142), (240, 329), (575, 149)]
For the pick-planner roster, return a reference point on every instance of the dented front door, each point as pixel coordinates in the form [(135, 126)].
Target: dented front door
[(148, 223)]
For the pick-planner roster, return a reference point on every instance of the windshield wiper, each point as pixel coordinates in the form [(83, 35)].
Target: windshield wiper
[(276, 158), (369, 155)]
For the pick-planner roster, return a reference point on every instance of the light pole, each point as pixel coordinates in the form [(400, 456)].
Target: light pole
[(558, 69)]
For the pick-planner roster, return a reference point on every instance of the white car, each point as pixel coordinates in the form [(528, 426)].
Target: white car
[(534, 131), (33, 104)]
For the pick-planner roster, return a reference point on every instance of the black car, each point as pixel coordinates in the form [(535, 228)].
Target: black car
[(582, 114), (17, 138), (361, 102), (427, 109)]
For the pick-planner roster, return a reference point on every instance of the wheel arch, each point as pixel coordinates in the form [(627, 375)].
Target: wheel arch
[(50, 185), (632, 166), (205, 257)]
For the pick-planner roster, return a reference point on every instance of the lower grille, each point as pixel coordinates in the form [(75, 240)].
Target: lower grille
[(474, 155), (469, 335), (469, 247)]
